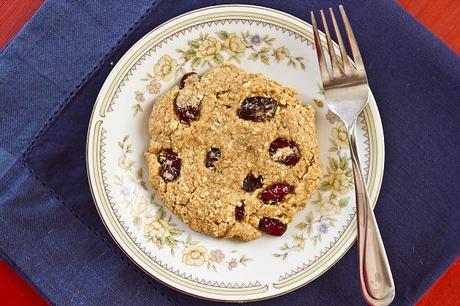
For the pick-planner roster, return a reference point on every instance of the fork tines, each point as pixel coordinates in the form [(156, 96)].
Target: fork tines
[(345, 69)]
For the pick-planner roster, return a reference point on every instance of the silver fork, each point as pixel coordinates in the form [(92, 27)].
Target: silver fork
[(346, 91)]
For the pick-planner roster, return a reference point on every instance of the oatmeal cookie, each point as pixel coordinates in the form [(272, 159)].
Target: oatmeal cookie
[(233, 154)]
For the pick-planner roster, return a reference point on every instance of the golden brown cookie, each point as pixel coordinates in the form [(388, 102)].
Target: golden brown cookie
[(233, 154)]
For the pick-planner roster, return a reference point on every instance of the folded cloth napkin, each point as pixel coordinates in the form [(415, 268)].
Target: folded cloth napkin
[(52, 71)]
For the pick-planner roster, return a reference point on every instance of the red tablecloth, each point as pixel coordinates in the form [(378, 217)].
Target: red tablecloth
[(440, 16)]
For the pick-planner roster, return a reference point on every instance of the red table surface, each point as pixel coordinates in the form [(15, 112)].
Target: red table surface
[(440, 16)]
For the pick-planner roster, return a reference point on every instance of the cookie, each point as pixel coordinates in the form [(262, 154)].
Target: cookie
[(233, 154)]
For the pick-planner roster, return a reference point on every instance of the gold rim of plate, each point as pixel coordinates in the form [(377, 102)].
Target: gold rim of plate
[(106, 212)]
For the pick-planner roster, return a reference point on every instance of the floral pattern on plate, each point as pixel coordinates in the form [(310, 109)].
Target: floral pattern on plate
[(151, 218), (210, 50)]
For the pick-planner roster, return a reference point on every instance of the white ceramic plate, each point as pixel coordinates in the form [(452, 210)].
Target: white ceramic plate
[(258, 40)]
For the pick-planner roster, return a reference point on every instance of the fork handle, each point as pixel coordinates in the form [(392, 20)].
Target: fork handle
[(377, 284)]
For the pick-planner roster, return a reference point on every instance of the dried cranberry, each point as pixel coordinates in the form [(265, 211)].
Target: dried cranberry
[(187, 113), (239, 212), (170, 165), (212, 156), (166, 155), (185, 77), (251, 182), (275, 193), (257, 109), (272, 226), (284, 151)]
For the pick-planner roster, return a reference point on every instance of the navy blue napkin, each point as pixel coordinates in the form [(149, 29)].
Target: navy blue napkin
[(52, 71)]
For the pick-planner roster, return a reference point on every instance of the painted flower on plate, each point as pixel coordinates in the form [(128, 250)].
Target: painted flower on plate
[(208, 48), (255, 39), (194, 256), (328, 206), (139, 96), (126, 190), (153, 87), (157, 230), (125, 163), (217, 256), (340, 180), (232, 264), (234, 45), (298, 243), (164, 68), (280, 53), (322, 228), (339, 134)]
